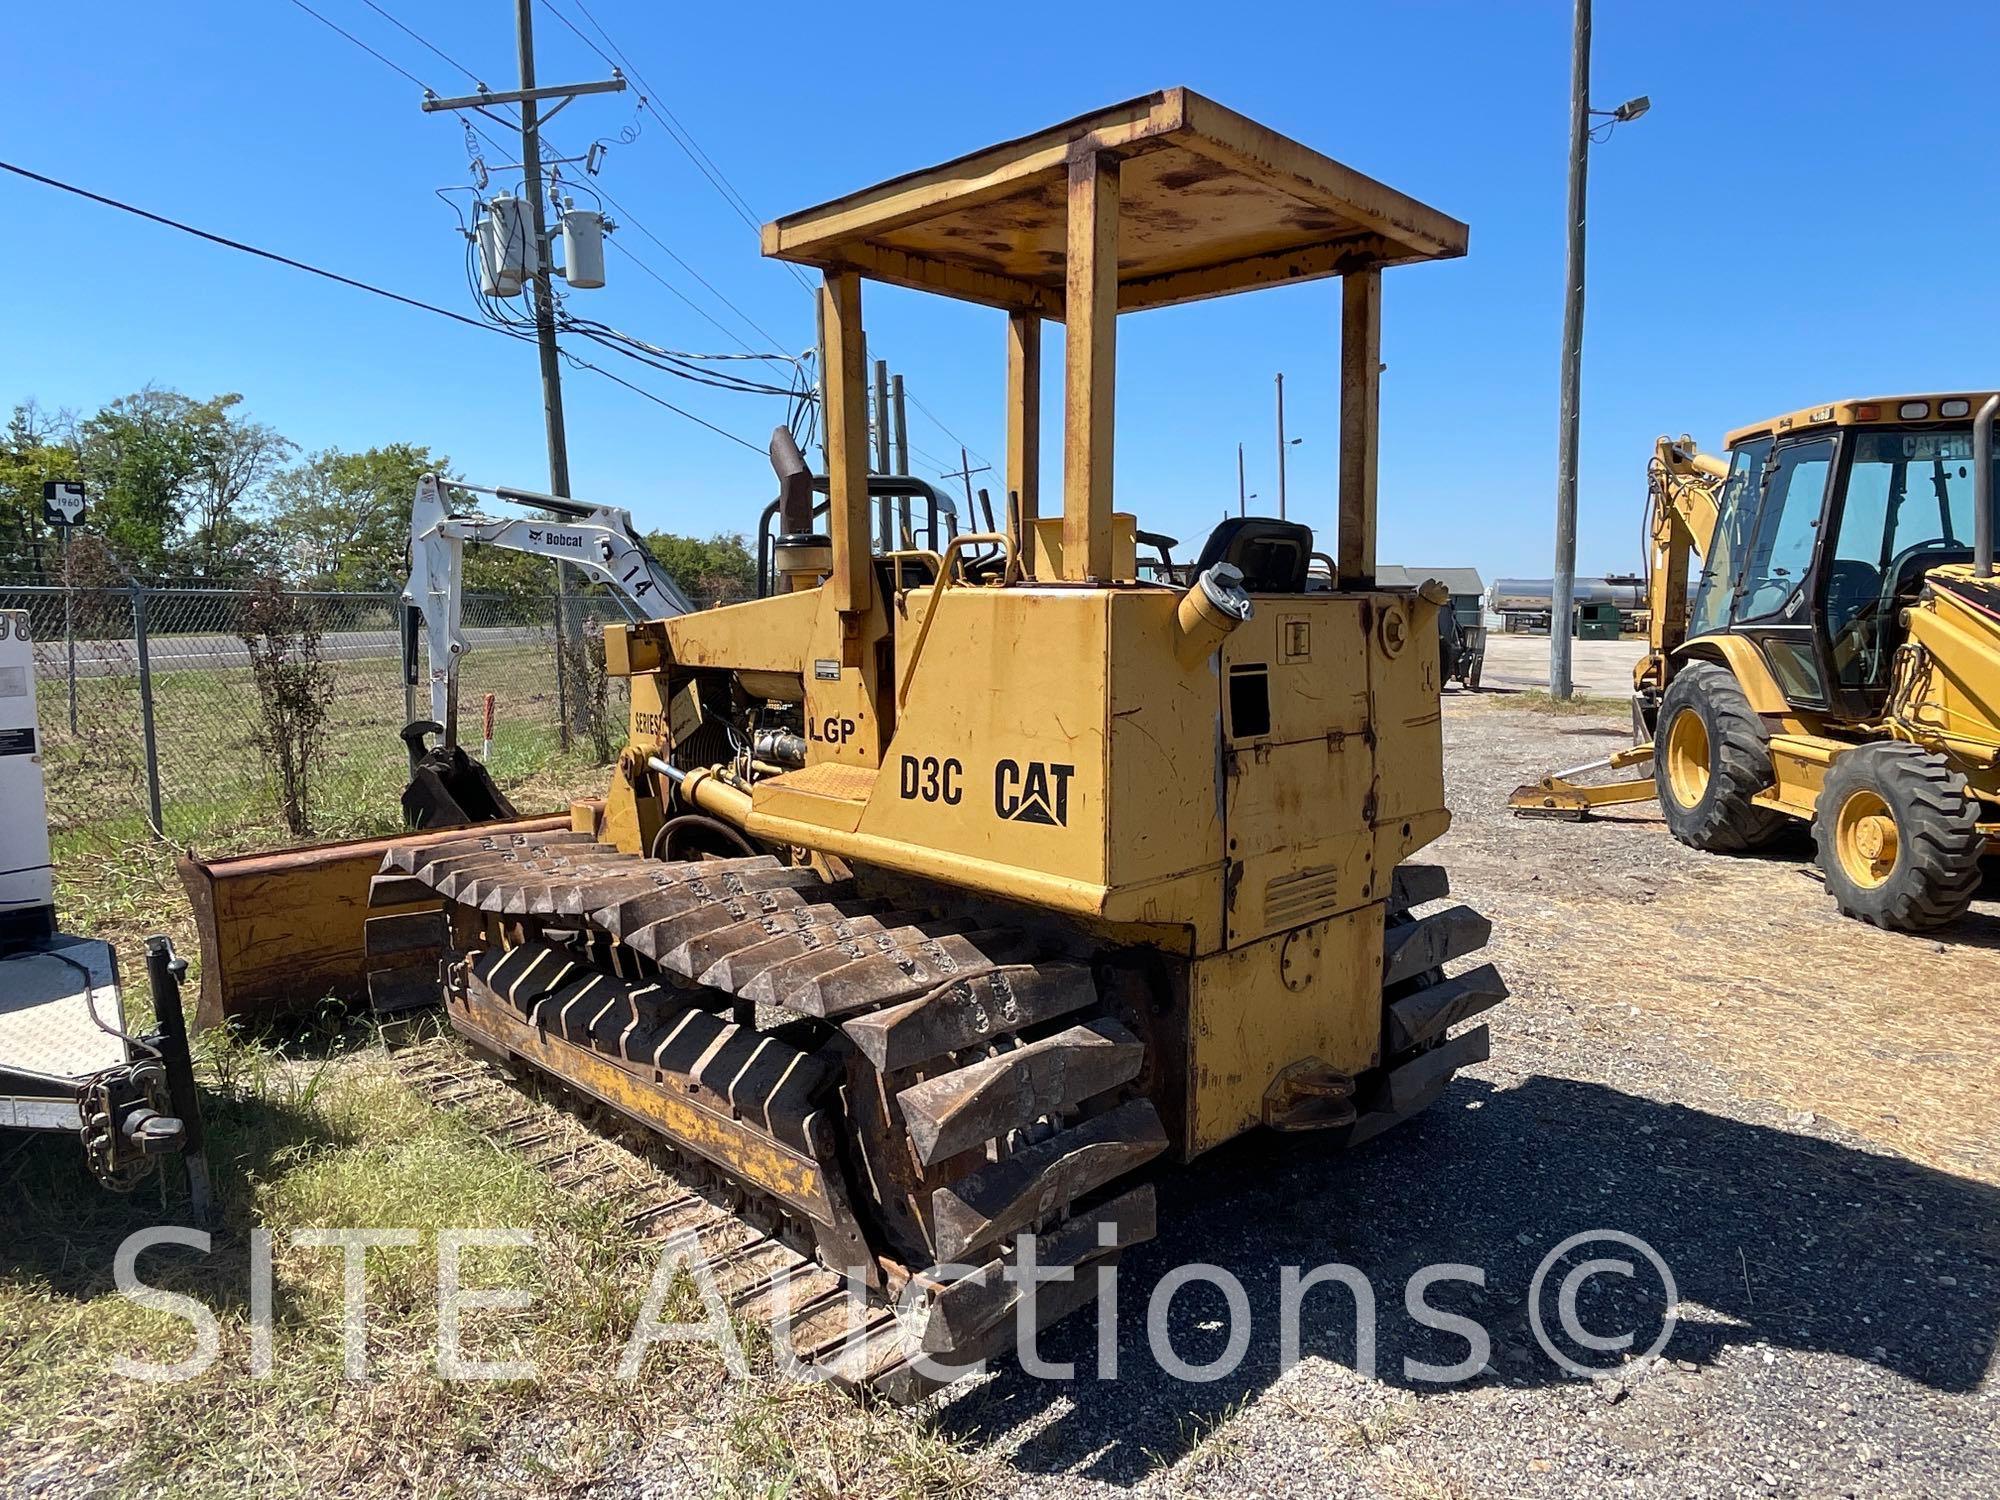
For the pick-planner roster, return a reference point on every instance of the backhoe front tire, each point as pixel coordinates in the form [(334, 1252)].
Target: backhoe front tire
[(1898, 837), (1710, 759)]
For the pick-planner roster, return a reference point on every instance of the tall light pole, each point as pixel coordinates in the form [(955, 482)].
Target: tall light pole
[(1563, 590), (1281, 445)]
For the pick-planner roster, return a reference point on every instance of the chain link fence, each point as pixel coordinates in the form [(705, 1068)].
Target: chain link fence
[(150, 708)]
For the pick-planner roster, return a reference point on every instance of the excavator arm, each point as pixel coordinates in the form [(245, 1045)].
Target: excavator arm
[(1682, 488), (597, 539)]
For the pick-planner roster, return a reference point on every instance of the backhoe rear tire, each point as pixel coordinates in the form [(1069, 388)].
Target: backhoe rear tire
[(1710, 758), (1898, 837)]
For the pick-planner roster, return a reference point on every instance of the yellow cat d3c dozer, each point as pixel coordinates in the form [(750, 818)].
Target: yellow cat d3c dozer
[(940, 892), (1841, 661)]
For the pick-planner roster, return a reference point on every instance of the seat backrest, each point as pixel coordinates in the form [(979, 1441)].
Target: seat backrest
[(1272, 555), (1911, 569)]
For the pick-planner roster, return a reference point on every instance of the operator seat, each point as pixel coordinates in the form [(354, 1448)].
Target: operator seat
[(1272, 555)]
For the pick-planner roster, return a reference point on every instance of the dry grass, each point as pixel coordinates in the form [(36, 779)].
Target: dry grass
[(340, 1142), (1891, 1035), (1539, 700)]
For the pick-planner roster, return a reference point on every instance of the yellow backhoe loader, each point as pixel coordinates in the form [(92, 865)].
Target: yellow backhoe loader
[(940, 895), (1841, 660)]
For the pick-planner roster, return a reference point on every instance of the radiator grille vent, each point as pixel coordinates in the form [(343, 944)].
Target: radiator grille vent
[(1300, 896)]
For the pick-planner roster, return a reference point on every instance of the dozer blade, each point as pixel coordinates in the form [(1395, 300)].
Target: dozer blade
[(283, 931)]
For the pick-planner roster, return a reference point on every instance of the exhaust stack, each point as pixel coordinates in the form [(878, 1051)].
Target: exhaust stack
[(1982, 489)]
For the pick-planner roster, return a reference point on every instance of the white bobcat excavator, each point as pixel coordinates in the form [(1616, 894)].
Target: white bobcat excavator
[(447, 785)]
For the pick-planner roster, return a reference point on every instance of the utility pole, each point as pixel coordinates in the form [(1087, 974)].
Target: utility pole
[(529, 98), (902, 439), (965, 471), (1281, 445), (1562, 591), (884, 508), (545, 304), (1242, 498), (545, 341)]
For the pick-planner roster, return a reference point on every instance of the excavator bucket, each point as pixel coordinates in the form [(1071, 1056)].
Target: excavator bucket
[(448, 788)]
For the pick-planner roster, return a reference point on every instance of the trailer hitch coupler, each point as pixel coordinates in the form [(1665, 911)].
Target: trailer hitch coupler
[(1215, 604)]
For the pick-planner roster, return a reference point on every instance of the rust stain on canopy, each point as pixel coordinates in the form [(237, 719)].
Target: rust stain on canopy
[(1210, 202)]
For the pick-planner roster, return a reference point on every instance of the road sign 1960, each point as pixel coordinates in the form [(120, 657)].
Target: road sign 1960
[(63, 502)]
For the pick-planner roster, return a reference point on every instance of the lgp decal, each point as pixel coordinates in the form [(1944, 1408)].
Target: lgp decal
[(1037, 792)]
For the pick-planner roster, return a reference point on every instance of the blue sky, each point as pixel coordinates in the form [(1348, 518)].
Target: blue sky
[(1807, 212)]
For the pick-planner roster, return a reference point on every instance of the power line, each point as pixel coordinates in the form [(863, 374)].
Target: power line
[(633, 256), (749, 322), (679, 133), (658, 400), (944, 429), (361, 286), (224, 240), (681, 136), (630, 217), (386, 62), (424, 41)]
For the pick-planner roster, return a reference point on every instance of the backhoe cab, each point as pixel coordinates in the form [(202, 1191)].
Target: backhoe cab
[(1841, 660)]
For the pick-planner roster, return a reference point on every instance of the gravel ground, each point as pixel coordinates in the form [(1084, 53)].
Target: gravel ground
[(1839, 1300)]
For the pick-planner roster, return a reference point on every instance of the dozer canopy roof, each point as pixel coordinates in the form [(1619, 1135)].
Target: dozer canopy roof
[(1934, 406), (1210, 202)]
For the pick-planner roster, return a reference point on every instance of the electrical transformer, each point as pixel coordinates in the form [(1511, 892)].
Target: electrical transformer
[(583, 248), (508, 254)]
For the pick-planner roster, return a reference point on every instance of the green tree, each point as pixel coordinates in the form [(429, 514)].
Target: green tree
[(175, 482), (140, 454), (716, 570), (38, 446), (234, 458), (342, 520)]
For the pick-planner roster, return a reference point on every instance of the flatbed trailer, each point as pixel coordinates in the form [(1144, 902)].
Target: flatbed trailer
[(69, 1061)]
